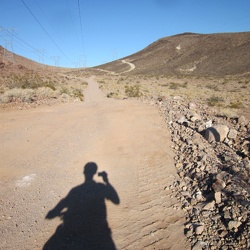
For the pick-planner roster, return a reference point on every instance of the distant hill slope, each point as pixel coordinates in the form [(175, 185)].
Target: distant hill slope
[(219, 54), (13, 63), (9, 59)]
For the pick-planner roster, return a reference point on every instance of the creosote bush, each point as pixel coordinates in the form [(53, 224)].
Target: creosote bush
[(236, 105), (133, 91), (14, 95), (78, 93), (215, 101)]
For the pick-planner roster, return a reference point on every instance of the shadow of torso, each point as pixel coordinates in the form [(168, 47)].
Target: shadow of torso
[(84, 216)]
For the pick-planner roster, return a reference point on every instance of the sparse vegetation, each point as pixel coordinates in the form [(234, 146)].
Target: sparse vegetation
[(112, 95), (65, 90), (174, 85), (236, 105), (215, 101), (78, 93), (218, 88), (213, 87), (133, 91)]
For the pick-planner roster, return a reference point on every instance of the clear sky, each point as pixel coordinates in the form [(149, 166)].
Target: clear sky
[(86, 33)]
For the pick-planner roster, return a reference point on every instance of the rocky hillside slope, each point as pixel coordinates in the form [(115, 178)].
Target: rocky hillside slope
[(221, 54), (212, 160)]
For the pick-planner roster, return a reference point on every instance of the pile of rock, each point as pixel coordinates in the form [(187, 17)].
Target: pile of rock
[(212, 160)]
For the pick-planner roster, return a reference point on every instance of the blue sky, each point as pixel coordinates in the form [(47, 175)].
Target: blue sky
[(58, 32)]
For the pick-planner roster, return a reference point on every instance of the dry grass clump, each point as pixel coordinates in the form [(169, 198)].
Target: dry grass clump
[(29, 81), (17, 95), (33, 87), (133, 91), (27, 95), (226, 112), (236, 105), (215, 101), (175, 85)]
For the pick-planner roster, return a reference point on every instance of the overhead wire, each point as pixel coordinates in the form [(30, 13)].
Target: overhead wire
[(46, 17), (81, 26), (20, 41), (13, 34), (45, 31), (71, 17)]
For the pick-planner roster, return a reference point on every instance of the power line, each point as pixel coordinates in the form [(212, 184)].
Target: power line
[(45, 30), (79, 12), (8, 55), (46, 17), (13, 34), (71, 18), (40, 52)]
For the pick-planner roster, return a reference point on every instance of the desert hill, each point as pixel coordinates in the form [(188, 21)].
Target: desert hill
[(221, 54), (9, 59)]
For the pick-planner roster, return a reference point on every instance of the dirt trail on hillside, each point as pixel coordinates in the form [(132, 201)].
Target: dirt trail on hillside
[(43, 154)]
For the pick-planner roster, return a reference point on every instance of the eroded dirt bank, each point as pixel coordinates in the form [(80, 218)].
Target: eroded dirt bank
[(43, 153)]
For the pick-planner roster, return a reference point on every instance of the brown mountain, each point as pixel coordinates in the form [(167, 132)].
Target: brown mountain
[(193, 54), (13, 66), (221, 54), (9, 60)]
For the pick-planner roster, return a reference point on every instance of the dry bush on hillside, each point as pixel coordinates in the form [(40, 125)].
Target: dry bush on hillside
[(14, 95)]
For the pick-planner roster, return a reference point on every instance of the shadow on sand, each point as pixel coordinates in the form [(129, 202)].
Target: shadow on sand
[(84, 215)]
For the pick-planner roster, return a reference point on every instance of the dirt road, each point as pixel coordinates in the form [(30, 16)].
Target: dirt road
[(42, 156)]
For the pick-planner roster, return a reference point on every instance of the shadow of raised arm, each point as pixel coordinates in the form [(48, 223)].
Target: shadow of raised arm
[(110, 193), (57, 210)]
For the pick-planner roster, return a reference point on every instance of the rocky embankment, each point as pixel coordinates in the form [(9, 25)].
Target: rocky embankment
[(212, 161)]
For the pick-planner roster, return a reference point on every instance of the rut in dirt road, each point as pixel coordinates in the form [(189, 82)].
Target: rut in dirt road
[(44, 152)]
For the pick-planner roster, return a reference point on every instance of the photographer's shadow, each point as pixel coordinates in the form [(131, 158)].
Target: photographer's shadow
[(84, 215)]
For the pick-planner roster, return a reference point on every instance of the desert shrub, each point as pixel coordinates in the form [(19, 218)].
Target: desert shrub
[(212, 87), (101, 81), (244, 87), (78, 93), (13, 95), (164, 84), (133, 91), (215, 101), (45, 92), (64, 97), (64, 90), (184, 85), (174, 85), (112, 95), (236, 105), (31, 82), (50, 85), (226, 112)]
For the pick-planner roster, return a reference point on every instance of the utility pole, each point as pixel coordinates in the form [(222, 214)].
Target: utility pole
[(114, 54), (83, 61), (56, 60), (40, 55), (7, 35), (76, 64)]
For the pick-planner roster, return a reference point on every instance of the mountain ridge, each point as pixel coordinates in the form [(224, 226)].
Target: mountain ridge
[(185, 54), (218, 54)]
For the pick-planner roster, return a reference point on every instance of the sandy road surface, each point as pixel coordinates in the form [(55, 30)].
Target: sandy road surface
[(42, 156)]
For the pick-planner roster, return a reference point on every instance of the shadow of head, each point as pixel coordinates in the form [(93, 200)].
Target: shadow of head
[(90, 170)]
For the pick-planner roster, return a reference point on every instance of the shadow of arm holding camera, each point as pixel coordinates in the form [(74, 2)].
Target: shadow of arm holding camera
[(110, 193)]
